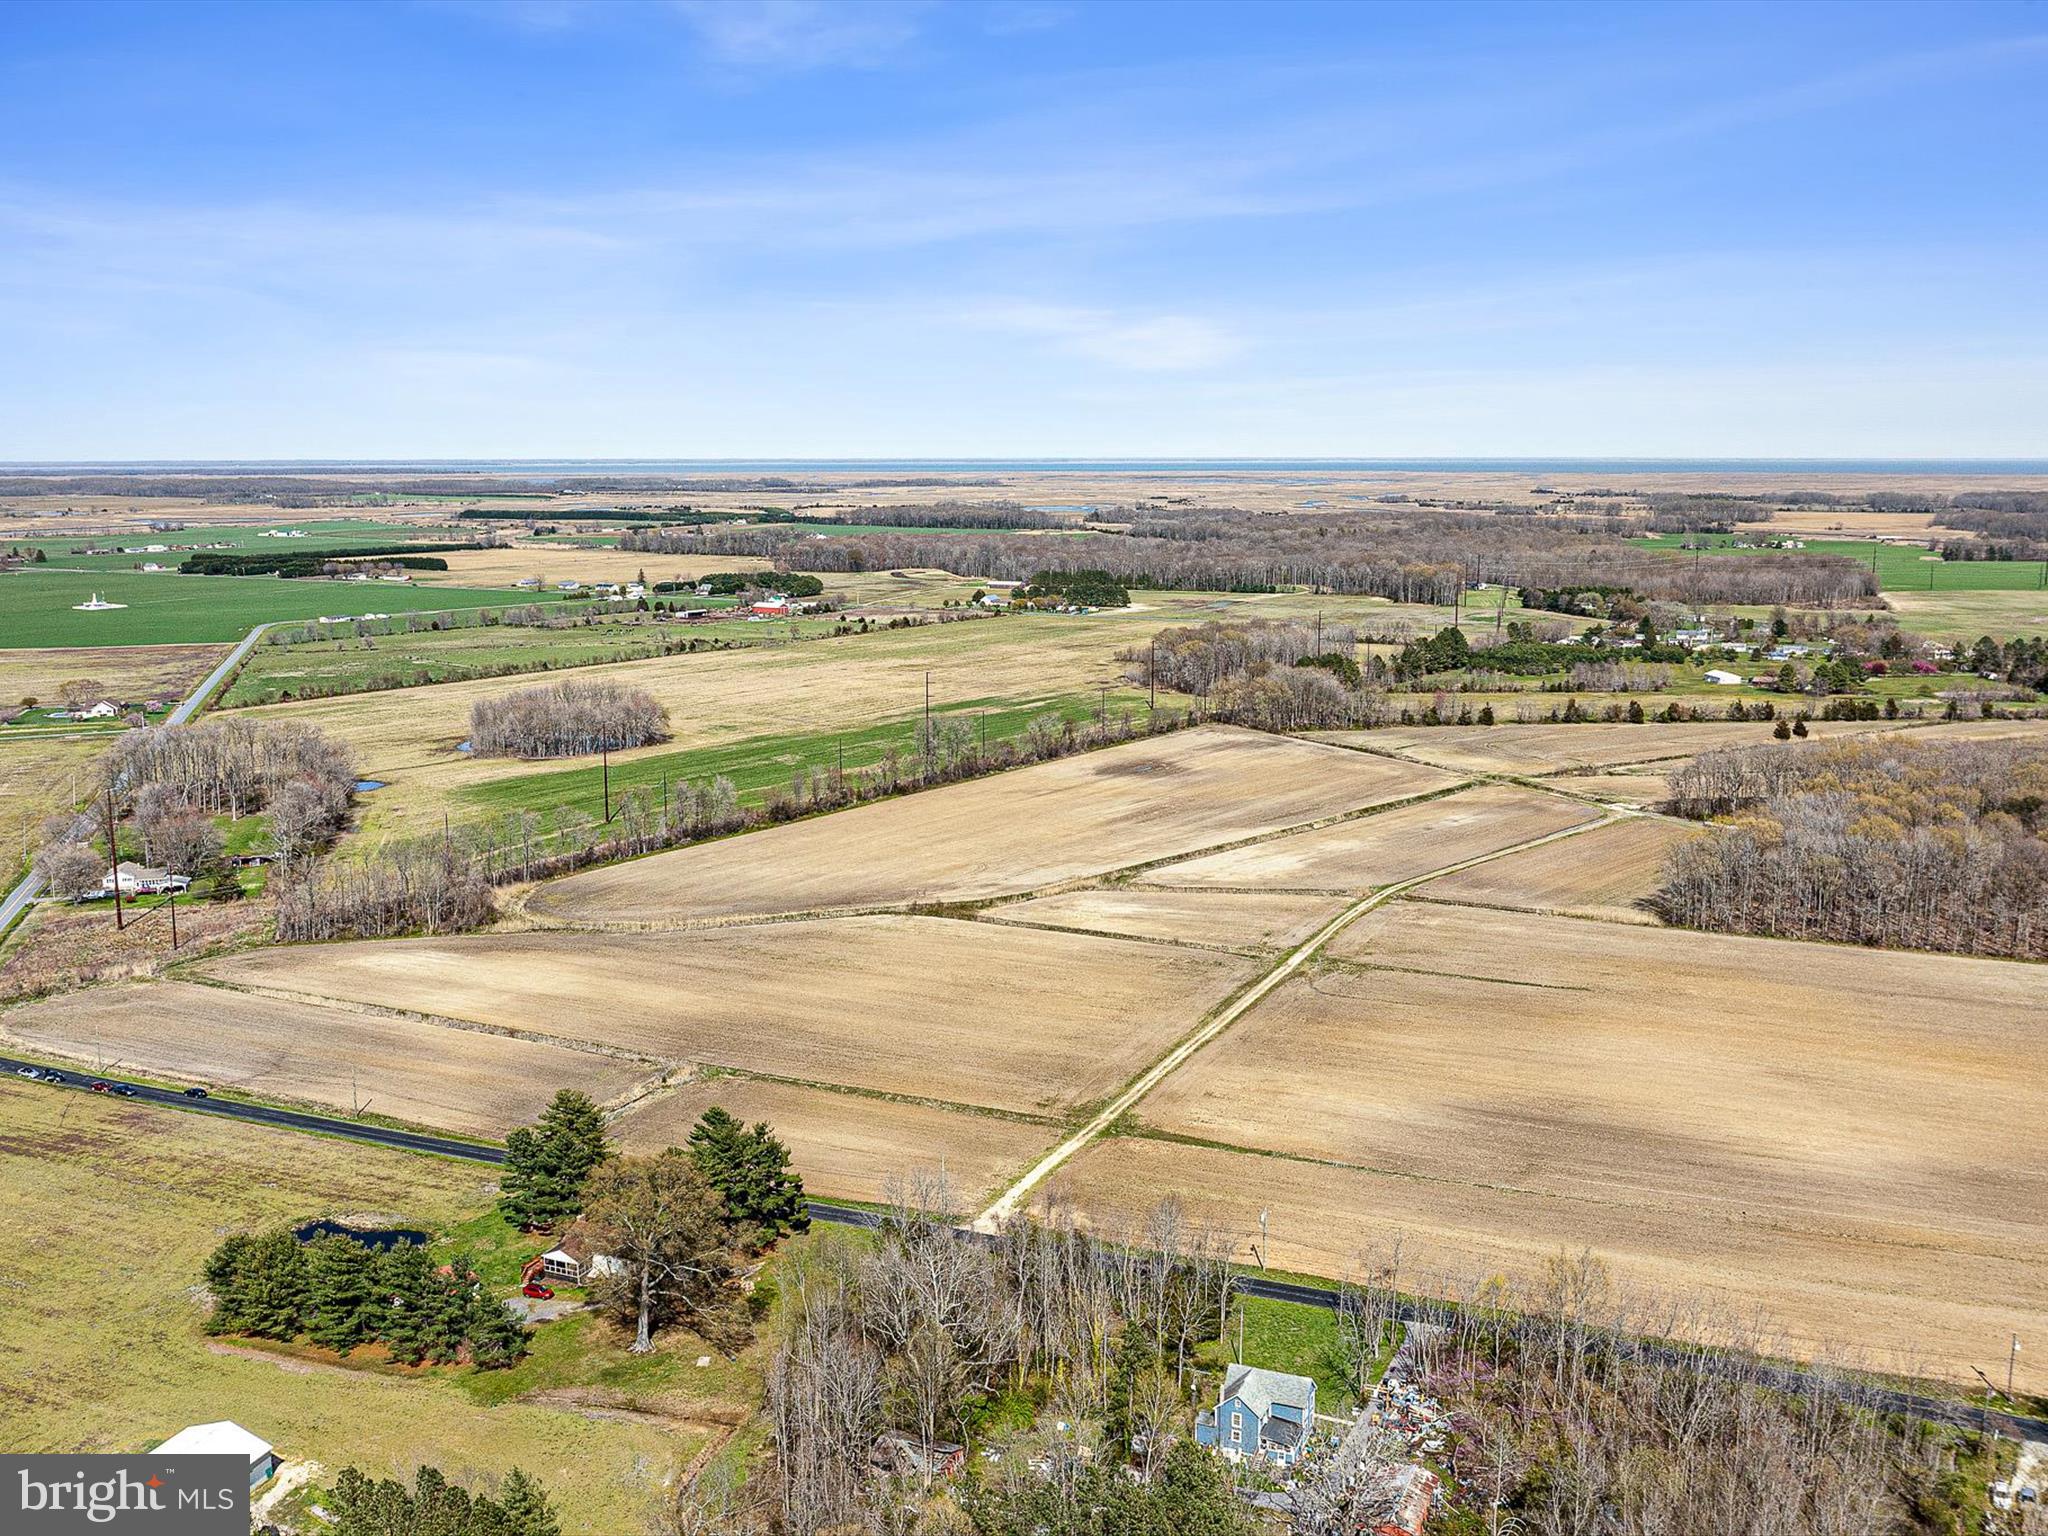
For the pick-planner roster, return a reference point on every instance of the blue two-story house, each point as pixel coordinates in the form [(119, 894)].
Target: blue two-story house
[(1260, 1413)]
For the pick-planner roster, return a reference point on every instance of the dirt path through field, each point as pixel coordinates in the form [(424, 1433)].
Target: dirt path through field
[(1007, 1203)]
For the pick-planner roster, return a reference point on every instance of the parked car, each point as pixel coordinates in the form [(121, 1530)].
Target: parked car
[(31, 1073), (537, 1291), (124, 1090), (55, 1077), (195, 1093), (100, 1087)]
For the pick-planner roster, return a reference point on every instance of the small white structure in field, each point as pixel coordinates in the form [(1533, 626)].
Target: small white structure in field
[(1718, 675), (224, 1438), (97, 605)]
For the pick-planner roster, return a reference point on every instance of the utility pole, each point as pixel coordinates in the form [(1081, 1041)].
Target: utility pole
[(1102, 710), (1265, 1244), (2011, 1360), (114, 861), (604, 749), (174, 922), (927, 714), (1152, 668)]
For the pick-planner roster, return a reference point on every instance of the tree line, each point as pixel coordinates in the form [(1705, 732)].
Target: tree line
[(1884, 841), (572, 718), (1410, 555)]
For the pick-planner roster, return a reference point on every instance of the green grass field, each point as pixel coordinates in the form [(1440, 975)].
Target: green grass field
[(332, 533), (1900, 567), (36, 606), (761, 763), (329, 668)]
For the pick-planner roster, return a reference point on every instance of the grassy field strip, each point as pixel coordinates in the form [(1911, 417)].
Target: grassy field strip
[(702, 1074), (417, 1016), (1008, 1202), (995, 916)]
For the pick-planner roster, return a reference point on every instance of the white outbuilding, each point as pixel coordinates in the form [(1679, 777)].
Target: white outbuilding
[(224, 1438), (1725, 678)]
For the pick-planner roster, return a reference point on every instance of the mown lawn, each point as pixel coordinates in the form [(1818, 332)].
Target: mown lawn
[(165, 608), (1288, 1336)]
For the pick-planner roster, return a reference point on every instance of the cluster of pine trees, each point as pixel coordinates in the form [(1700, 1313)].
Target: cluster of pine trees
[(433, 1506), (340, 1294), (676, 1226)]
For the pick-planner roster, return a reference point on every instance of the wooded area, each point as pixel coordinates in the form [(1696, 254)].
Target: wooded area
[(571, 718), (1885, 841)]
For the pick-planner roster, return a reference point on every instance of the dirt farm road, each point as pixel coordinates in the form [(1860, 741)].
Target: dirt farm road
[(1010, 1200)]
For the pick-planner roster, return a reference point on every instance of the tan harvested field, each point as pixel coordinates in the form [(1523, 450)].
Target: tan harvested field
[(1708, 1112), (1543, 749), (461, 1080), (1001, 836), (127, 674), (1000, 1017), (1382, 849), (1923, 1310), (1243, 920), (574, 562), (848, 1146), (1639, 789), (1846, 523), (1606, 874)]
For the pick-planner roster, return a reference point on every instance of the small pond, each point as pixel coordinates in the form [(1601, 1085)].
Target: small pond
[(364, 786), (380, 1238)]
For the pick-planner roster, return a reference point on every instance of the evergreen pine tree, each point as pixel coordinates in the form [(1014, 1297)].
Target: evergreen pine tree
[(406, 1287), (546, 1167), (225, 1277), (526, 1506), (341, 1292), (494, 1334), (750, 1170), (274, 1277)]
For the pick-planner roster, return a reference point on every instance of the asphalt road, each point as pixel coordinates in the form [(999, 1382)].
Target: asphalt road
[(1785, 1378), (16, 901)]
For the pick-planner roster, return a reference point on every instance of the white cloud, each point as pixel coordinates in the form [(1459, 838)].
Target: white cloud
[(803, 34), (1164, 343)]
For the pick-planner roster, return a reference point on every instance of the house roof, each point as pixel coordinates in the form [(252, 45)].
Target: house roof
[(225, 1438), (1260, 1390)]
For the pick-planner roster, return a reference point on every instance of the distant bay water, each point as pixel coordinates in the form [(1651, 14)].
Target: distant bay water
[(565, 468)]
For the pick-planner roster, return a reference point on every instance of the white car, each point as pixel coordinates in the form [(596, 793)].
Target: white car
[(28, 1072)]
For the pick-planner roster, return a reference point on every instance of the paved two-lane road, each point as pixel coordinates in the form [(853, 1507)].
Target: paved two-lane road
[(16, 901), (1787, 1378)]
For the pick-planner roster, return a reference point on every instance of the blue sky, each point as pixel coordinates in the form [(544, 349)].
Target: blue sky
[(1022, 228)]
